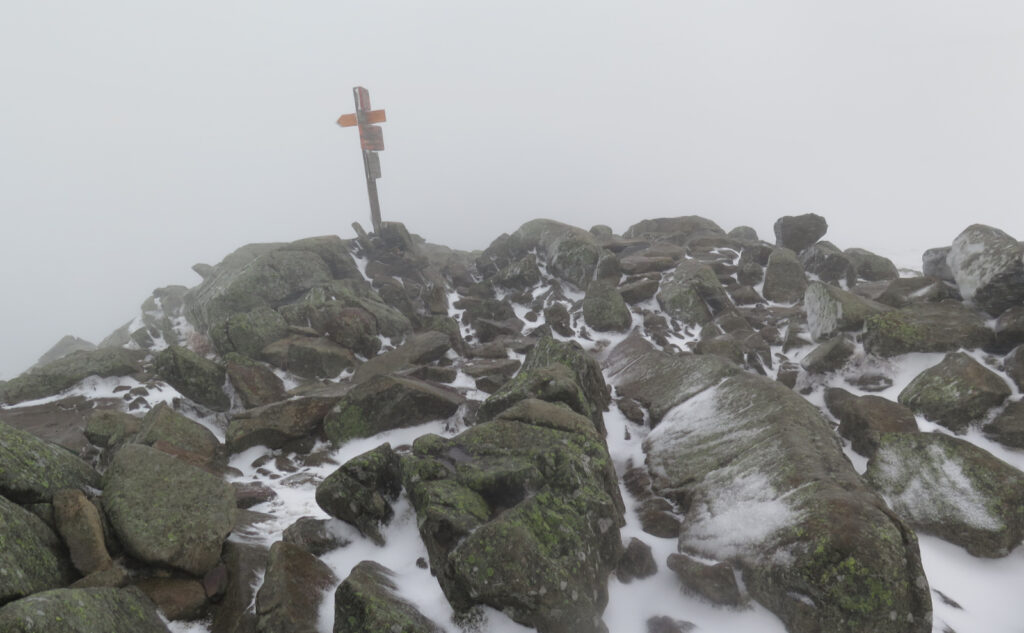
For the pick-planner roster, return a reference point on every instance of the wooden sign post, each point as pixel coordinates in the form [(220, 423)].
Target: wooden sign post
[(371, 137)]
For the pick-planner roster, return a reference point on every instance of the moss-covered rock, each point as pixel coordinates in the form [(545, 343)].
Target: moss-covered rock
[(309, 356), (418, 349), (255, 384), (784, 278), (519, 275), (32, 557), (829, 356), (343, 321), (388, 402), (254, 276), (61, 374), (275, 425), (521, 516), (106, 427), (988, 266), (949, 487), (367, 602), (165, 511), (83, 611), (556, 372), (247, 333), (164, 424), (766, 488), (604, 310), (571, 253), (32, 470), (293, 587), (362, 490), (831, 310), (693, 294), (926, 327), (956, 392), (195, 377)]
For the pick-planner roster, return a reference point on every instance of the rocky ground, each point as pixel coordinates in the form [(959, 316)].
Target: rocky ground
[(672, 429)]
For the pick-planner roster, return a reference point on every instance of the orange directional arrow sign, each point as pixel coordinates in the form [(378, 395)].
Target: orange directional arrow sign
[(373, 116)]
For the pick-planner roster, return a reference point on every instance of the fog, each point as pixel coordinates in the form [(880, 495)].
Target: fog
[(139, 138)]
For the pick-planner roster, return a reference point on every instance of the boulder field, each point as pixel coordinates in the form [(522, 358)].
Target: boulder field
[(545, 414)]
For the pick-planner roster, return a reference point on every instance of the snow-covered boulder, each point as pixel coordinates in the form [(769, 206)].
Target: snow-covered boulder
[(949, 487), (988, 266), (766, 488)]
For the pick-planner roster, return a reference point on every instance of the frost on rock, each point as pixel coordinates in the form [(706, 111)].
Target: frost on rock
[(948, 487), (765, 486), (988, 266)]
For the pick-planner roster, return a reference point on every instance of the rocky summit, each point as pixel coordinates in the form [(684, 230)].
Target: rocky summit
[(570, 431)]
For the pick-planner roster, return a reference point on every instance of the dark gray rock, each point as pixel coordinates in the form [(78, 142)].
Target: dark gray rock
[(956, 392), (417, 349), (829, 356), (66, 372), (1009, 330), (83, 611), (362, 490), (32, 557), (1014, 366), (871, 267), (67, 345), (388, 402), (604, 310), (949, 487), (677, 230), (863, 419), (556, 372), (1008, 427), (557, 316), (277, 424), (933, 264), (798, 232), (634, 292), (164, 425), (637, 562), (693, 294), (31, 470), (289, 598), (107, 428), (831, 310), (165, 511), (247, 333), (926, 327), (720, 451), (830, 264), (571, 253), (665, 624), (784, 277), (195, 377), (245, 564), (254, 383), (316, 536), (367, 602), (309, 356), (716, 583), (988, 266)]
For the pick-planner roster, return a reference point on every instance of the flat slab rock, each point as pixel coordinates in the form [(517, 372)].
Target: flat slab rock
[(949, 487), (165, 511), (768, 490), (83, 611)]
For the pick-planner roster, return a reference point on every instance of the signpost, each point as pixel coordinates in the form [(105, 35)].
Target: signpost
[(371, 137)]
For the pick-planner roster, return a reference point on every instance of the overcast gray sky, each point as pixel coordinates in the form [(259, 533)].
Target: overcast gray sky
[(137, 138)]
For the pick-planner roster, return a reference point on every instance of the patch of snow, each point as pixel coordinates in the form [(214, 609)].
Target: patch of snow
[(987, 589)]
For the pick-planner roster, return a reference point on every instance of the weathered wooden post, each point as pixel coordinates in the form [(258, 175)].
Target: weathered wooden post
[(371, 137)]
